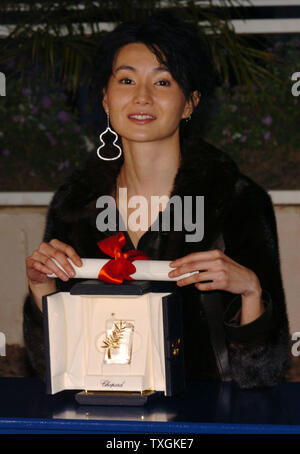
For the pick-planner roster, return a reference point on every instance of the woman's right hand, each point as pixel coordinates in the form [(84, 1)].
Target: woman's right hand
[(40, 263)]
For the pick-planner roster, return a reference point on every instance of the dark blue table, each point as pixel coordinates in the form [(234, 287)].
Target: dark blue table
[(205, 407)]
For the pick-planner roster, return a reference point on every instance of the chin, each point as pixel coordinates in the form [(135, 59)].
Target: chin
[(140, 138)]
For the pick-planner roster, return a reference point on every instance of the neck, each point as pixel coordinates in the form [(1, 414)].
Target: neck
[(149, 168)]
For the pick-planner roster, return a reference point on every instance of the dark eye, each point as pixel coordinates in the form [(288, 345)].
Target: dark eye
[(126, 81), (163, 83)]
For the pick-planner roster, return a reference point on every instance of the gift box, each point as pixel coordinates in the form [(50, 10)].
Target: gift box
[(118, 344)]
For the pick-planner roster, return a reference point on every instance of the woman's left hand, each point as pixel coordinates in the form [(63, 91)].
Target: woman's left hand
[(223, 272)]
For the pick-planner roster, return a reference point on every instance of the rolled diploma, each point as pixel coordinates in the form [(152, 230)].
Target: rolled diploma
[(146, 270)]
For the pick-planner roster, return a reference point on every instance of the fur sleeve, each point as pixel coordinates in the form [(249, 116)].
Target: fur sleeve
[(32, 316), (250, 237)]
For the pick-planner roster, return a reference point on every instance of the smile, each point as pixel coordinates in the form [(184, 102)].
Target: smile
[(141, 118)]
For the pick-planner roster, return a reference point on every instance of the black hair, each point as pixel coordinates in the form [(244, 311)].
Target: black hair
[(176, 44)]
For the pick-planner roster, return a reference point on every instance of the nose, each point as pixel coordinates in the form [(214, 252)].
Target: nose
[(142, 95)]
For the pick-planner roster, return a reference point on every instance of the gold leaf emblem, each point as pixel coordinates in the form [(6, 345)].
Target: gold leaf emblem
[(113, 340)]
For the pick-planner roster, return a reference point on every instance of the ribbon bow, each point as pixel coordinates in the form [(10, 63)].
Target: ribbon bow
[(116, 270)]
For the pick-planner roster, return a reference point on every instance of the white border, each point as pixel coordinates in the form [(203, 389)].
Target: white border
[(252, 3), (240, 26), (280, 197), (266, 26)]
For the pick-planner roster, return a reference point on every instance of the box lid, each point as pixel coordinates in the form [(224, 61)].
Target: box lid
[(96, 287)]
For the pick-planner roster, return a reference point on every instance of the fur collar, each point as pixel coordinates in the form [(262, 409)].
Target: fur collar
[(206, 171)]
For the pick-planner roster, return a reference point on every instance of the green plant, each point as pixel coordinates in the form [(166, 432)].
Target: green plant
[(65, 36)]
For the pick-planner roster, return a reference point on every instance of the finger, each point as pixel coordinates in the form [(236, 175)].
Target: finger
[(38, 256), (41, 268), (203, 255), (68, 250), (207, 286), (62, 260), (201, 266), (186, 268), (197, 277), (61, 273), (33, 264), (50, 251), (47, 266)]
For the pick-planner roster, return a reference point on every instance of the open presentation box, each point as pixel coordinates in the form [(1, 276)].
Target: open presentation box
[(118, 344)]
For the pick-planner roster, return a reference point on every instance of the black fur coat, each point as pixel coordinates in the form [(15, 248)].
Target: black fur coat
[(238, 218)]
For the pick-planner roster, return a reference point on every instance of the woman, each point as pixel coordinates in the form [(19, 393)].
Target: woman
[(150, 84)]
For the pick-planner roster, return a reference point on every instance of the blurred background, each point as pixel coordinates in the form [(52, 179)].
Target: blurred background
[(50, 119)]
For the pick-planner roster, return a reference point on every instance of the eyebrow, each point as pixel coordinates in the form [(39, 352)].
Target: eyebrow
[(131, 68)]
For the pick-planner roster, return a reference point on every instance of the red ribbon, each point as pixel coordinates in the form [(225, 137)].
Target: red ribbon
[(116, 270)]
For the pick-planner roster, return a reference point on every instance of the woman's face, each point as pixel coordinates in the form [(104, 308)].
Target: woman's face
[(145, 103)]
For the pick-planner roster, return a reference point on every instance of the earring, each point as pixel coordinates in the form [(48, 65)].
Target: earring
[(188, 118), (108, 129)]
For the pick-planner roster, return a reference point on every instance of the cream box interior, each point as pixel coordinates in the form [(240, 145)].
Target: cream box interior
[(76, 327)]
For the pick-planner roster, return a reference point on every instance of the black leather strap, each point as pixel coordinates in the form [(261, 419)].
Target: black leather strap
[(213, 308)]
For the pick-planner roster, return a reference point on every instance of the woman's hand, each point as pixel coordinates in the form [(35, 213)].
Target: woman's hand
[(40, 263), (223, 273), (215, 266)]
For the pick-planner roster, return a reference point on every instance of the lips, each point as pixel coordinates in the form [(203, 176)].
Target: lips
[(141, 117)]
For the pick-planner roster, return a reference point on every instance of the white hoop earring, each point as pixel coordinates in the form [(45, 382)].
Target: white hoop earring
[(108, 129)]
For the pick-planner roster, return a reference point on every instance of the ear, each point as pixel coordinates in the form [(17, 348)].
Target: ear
[(104, 100), (191, 104)]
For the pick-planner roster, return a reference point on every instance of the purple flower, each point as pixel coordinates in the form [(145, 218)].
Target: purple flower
[(50, 138), (26, 91), (10, 63), (268, 120), (6, 152), (18, 118), (295, 101), (267, 135), (243, 139), (226, 132), (278, 44), (63, 116), (62, 165), (34, 109), (77, 128), (46, 101)]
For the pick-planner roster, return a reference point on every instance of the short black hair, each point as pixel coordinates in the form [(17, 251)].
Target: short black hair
[(177, 44)]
